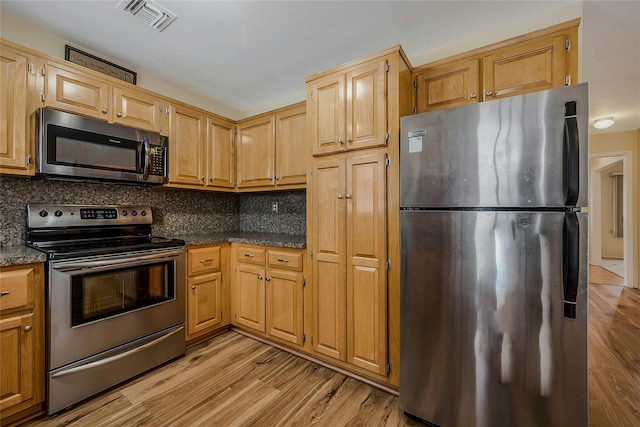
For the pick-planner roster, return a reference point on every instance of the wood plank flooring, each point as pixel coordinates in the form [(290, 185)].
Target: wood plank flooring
[(602, 276), (234, 380)]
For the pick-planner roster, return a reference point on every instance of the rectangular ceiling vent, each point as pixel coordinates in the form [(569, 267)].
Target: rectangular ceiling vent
[(149, 12)]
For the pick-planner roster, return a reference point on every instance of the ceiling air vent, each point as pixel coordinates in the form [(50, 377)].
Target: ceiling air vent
[(149, 12)]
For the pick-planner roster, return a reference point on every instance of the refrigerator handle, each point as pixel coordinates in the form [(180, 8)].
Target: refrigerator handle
[(571, 263), (571, 152)]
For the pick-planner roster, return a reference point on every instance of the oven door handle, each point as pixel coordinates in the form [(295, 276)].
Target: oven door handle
[(116, 357), (113, 262)]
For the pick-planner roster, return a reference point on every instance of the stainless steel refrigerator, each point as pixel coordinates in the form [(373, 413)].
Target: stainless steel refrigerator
[(494, 262)]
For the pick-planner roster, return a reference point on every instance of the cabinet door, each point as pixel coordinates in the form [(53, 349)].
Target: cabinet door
[(255, 153), (186, 148), (204, 309), (291, 138), (531, 66), (329, 275), (220, 160), (327, 110), (17, 360), (367, 106), (447, 86), (250, 297), (285, 305), (77, 93), (14, 146), (136, 109), (366, 263)]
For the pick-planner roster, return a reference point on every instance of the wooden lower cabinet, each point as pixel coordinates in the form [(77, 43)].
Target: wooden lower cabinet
[(21, 341), (206, 293), (269, 292)]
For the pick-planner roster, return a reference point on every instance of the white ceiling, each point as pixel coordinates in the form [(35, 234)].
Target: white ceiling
[(253, 56)]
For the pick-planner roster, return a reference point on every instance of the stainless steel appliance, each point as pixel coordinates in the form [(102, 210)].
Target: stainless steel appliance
[(74, 146), (494, 262), (114, 297)]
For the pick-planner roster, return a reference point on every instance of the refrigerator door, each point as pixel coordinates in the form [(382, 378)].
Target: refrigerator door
[(526, 151), (487, 339)]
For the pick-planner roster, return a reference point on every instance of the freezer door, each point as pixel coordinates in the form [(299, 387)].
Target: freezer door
[(486, 335), (526, 151)]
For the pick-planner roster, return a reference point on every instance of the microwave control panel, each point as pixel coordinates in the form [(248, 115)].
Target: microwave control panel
[(157, 161)]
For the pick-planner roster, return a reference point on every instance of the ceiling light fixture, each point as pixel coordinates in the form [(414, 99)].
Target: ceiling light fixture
[(603, 123)]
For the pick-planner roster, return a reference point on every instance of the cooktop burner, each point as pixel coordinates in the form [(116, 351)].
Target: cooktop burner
[(64, 231)]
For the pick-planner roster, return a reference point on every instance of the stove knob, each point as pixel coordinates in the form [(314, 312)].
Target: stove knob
[(58, 213), (143, 213), (123, 213), (43, 213), (134, 212)]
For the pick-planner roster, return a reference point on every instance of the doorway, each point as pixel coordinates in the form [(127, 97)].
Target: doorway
[(610, 228)]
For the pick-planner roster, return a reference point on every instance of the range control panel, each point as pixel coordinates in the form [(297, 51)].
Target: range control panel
[(54, 216)]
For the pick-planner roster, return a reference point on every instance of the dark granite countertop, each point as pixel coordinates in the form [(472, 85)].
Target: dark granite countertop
[(18, 255), (294, 241)]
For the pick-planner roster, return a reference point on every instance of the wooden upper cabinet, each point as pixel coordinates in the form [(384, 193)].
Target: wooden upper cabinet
[(290, 146), (255, 148), (349, 109), (220, 162), (531, 66), (186, 146), (77, 93), (15, 148), (136, 109), (450, 85)]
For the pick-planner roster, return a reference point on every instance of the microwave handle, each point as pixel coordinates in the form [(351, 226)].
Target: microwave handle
[(145, 158)]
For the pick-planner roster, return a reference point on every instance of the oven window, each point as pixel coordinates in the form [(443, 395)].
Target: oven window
[(100, 295)]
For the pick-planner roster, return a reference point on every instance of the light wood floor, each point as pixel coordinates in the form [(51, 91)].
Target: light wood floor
[(234, 380)]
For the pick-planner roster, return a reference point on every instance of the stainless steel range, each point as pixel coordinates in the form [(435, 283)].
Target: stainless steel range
[(115, 296)]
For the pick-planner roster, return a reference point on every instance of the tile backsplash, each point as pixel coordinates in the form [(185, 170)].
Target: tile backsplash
[(176, 211)]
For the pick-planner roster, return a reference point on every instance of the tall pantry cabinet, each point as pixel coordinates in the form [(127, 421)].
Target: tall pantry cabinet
[(353, 118)]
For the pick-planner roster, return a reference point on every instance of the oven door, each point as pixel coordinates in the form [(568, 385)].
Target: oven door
[(97, 303)]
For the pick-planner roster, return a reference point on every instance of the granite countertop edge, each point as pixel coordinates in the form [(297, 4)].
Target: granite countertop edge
[(20, 255), (293, 241)]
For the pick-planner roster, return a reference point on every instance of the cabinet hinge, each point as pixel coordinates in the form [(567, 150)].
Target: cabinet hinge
[(415, 110), (388, 264), (168, 110), (30, 68), (387, 162), (312, 340), (311, 255), (304, 282), (567, 45), (304, 338), (567, 80), (41, 96), (29, 160), (43, 71), (415, 84), (387, 137), (388, 368), (388, 67)]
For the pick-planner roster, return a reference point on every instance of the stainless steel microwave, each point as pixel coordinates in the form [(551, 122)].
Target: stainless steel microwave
[(74, 146)]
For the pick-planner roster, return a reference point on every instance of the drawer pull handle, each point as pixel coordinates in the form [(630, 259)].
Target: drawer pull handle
[(249, 255), (202, 261), (28, 328), (282, 260), (3, 293)]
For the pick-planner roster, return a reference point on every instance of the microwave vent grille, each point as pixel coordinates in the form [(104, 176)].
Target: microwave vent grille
[(149, 12)]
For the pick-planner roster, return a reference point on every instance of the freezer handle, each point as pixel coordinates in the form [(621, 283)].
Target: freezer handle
[(571, 153), (571, 263)]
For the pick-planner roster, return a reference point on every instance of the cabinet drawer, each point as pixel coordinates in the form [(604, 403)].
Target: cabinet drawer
[(250, 254), (203, 260), (16, 288), (282, 259)]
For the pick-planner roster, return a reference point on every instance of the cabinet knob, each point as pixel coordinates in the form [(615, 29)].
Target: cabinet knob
[(277, 178), (28, 328), (348, 196), (269, 178), (202, 178), (339, 196), (105, 111), (473, 95), (210, 179), (339, 140), (489, 92), (259, 277), (268, 279), (193, 287), (348, 139), (119, 114)]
